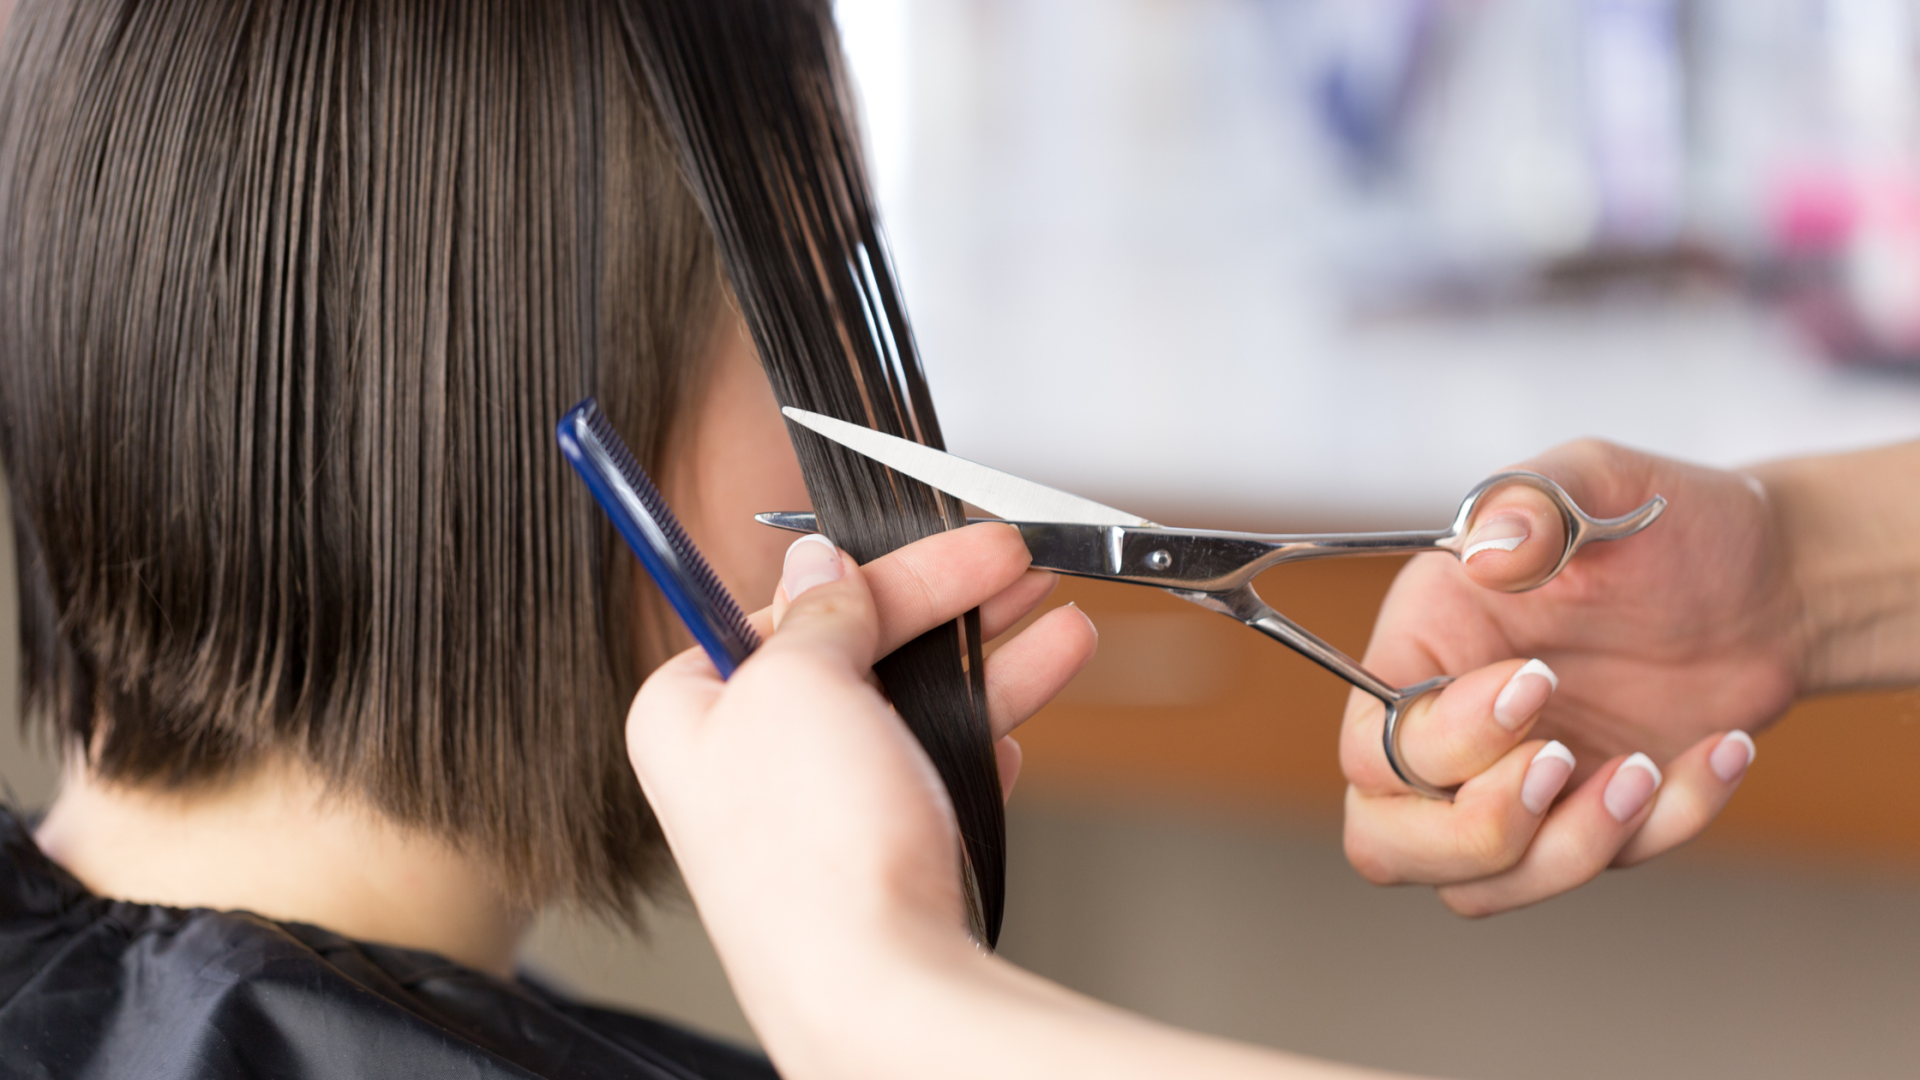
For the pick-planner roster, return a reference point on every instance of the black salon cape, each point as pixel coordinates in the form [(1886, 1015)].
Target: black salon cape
[(106, 990)]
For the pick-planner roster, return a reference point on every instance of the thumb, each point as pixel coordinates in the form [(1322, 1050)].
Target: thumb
[(1515, 539), (823, 642), (1517, 534), (824, 605)]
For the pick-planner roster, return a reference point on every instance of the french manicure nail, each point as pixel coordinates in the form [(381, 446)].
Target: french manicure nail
[(812, 560), (1091, 625), (1731, 758), (1524, 695), (1633, 783), (1546, 775), (1503, 533)]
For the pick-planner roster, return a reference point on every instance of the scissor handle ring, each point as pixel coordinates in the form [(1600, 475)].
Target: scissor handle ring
[(1581, 527), (1390, 737)]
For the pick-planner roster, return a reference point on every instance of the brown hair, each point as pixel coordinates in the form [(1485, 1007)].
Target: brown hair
[(291, 295), (763, 126)]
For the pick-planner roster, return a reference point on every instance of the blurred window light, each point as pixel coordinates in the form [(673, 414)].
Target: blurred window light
[(1358, 221), (1870, 46), (1635, 106), (876, 36)]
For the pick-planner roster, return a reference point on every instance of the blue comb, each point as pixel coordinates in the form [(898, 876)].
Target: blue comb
[(622, 489)]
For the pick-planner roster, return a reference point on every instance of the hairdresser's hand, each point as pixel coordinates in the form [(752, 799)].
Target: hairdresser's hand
[(803, 814), (1662, 644), (821, 850)]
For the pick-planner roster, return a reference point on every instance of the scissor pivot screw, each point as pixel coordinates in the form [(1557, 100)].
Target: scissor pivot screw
[(1159, 559)]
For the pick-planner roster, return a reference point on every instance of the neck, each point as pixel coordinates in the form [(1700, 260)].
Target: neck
[(275, 842)]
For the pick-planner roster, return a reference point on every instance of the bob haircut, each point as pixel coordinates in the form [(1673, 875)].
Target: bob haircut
[(291, 296)]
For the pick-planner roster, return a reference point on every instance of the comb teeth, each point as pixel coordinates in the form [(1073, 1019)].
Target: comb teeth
[(702, 574)]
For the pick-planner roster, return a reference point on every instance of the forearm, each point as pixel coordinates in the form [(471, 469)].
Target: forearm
[(949, 1011), (1850, 530)]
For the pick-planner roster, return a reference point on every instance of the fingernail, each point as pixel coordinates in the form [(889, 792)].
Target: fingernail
[(1633, 783), (1524, 694), (1091, 625), (1546, 775), (1503, 533), (1731, 758), (811, 561)]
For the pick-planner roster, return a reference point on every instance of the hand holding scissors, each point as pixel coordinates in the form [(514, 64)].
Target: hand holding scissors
[(1670, 650), (1213, 569)]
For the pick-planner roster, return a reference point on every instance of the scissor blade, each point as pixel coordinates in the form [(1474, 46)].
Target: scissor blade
[(989, 489), (1081, 550)]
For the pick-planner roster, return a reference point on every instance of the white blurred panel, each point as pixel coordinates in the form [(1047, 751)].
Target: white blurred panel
[(1119, 243)]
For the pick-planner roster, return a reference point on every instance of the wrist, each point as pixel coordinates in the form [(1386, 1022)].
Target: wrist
[(1852, 572), (822, 972), (1808, 632), (868, 1000)]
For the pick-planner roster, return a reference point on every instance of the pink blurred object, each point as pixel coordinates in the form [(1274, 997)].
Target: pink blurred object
[(1813, 209), (1860, 237)]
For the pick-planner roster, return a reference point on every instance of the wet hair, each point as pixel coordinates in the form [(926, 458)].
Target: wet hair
[(762, 122), (291, 295)]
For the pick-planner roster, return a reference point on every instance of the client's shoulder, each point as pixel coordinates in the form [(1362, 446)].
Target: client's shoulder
[(109, 989)]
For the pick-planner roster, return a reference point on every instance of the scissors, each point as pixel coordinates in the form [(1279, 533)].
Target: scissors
[(1071, 535)]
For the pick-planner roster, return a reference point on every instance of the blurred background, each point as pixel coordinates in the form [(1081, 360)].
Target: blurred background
[(1285, 264)]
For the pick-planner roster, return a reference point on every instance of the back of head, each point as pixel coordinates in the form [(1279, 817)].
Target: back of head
[(291, 295)]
